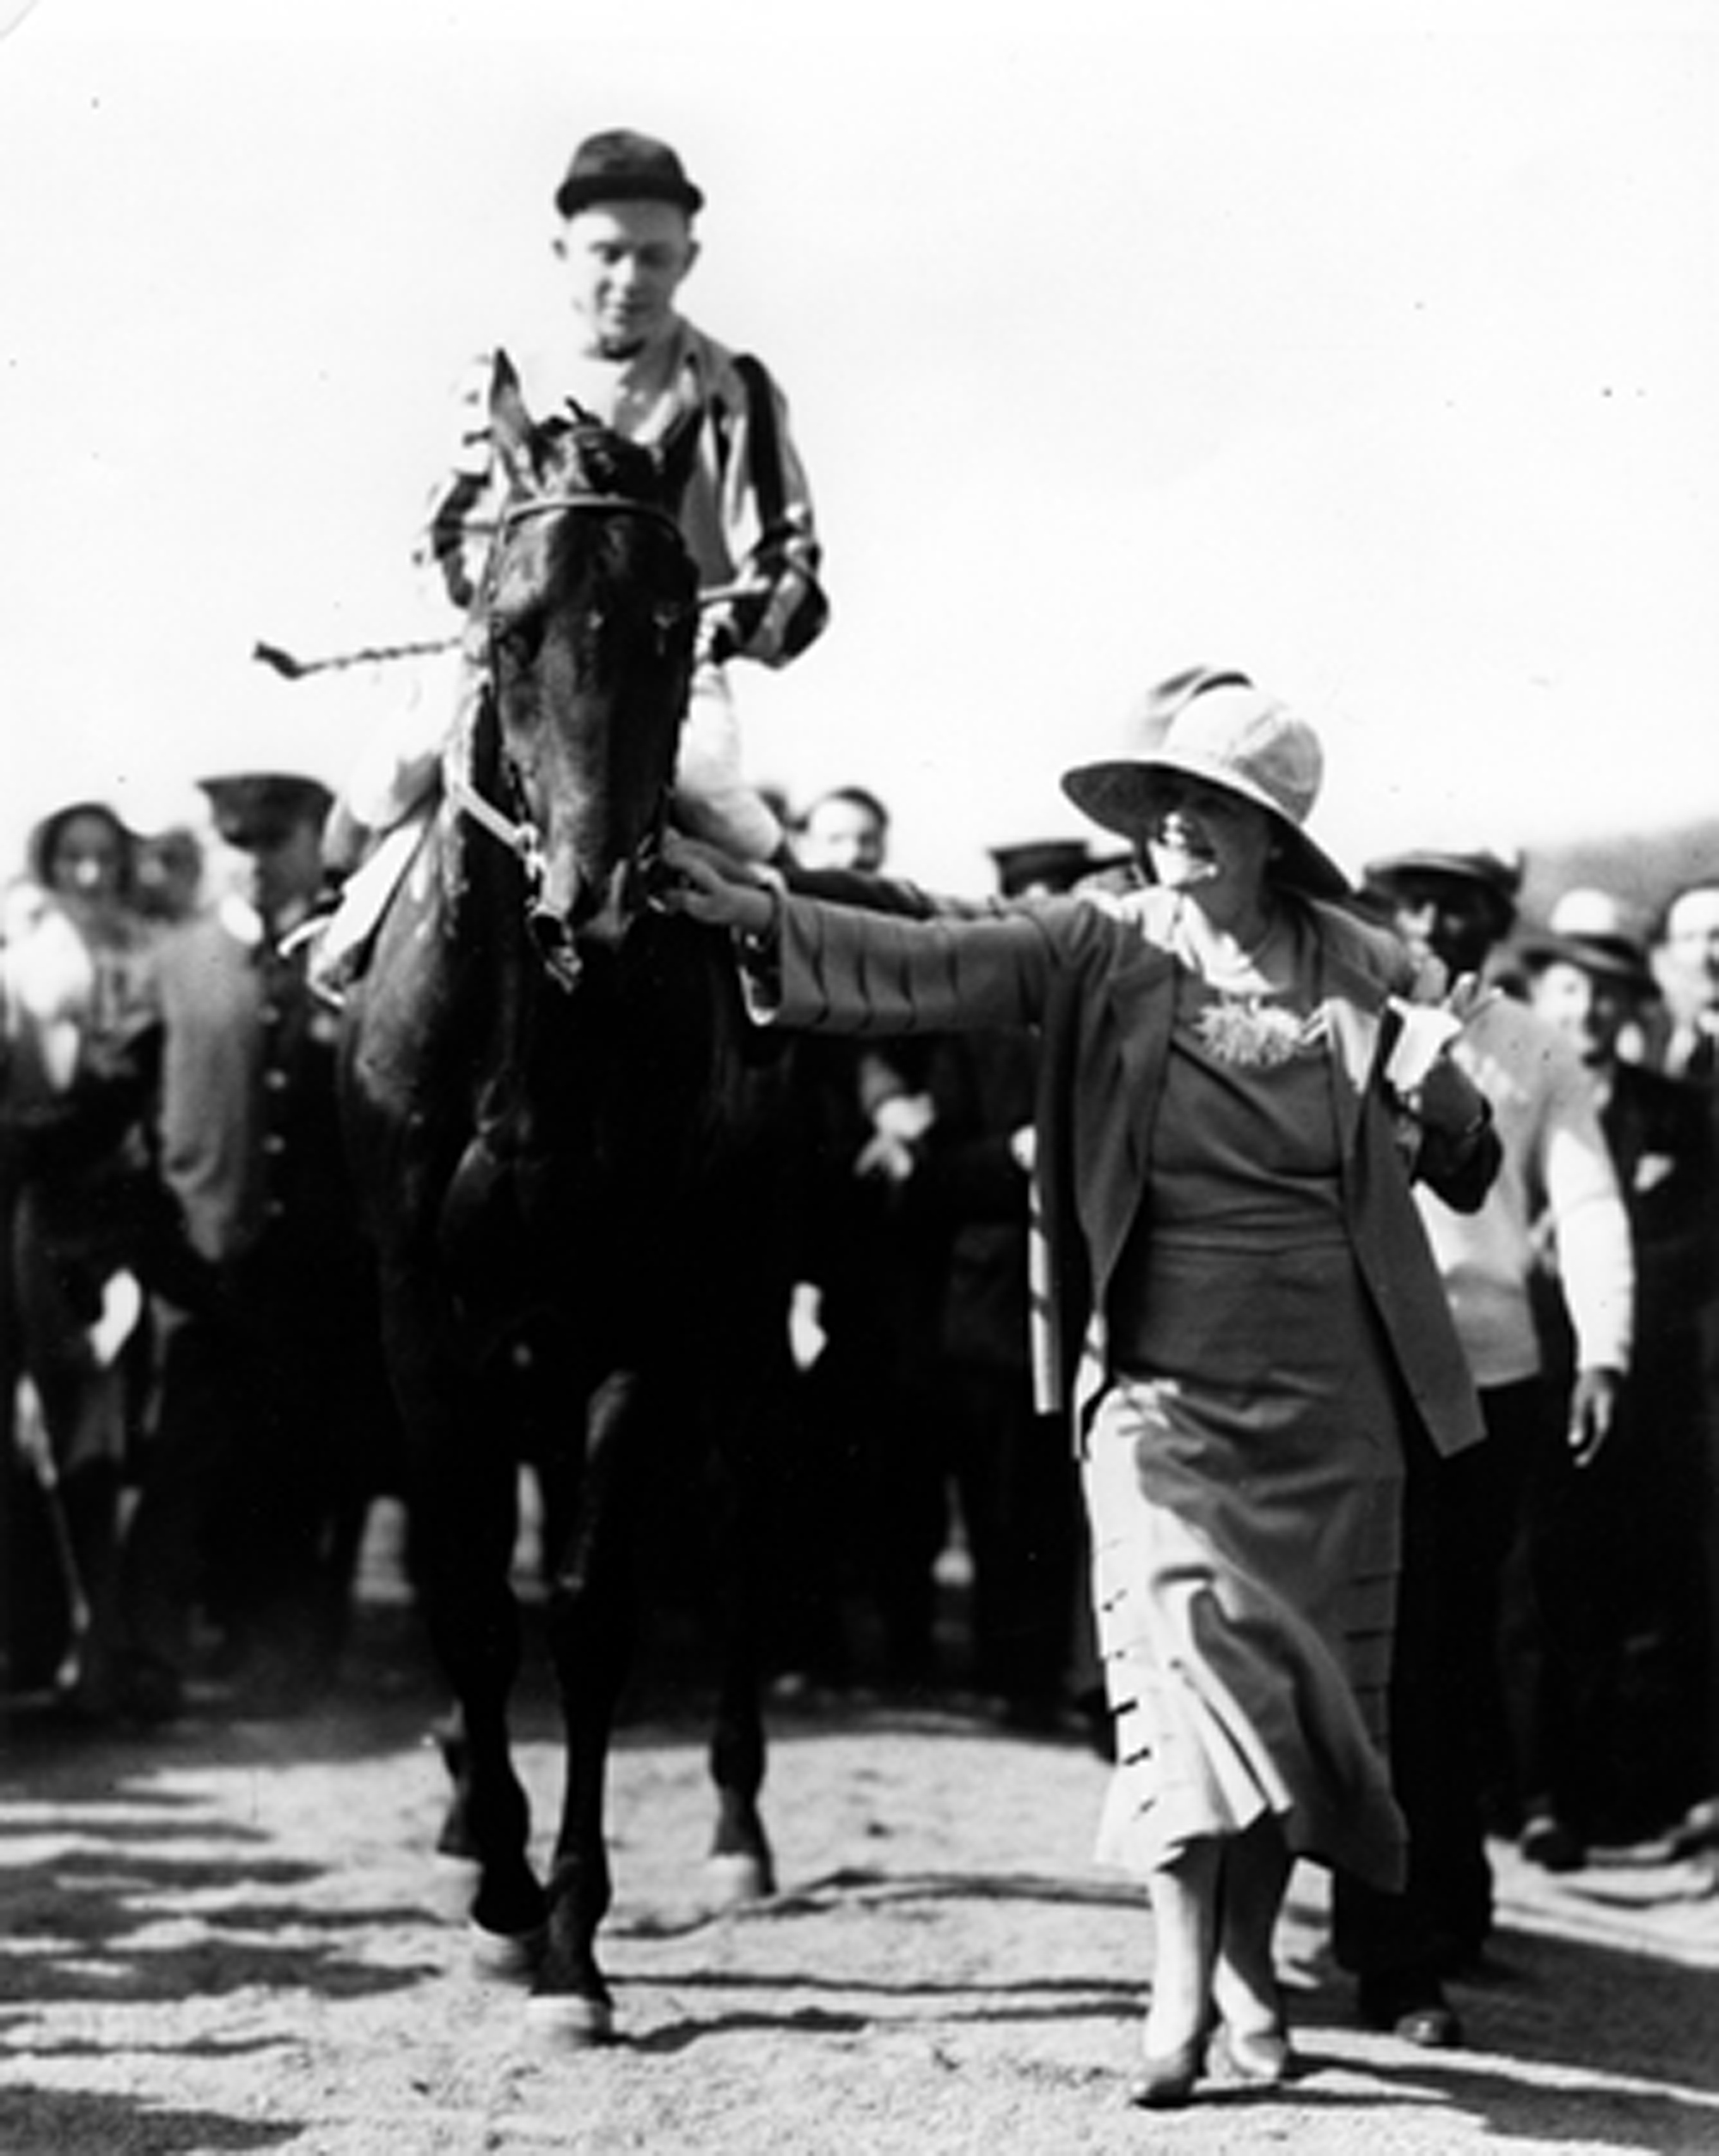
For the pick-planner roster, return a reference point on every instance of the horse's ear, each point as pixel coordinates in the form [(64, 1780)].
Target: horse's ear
[(509, 422)]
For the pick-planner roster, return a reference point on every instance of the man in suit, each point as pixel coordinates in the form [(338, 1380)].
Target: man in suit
[(1457, 904), (1688, 968), (1686, 959), (1605, 1636)]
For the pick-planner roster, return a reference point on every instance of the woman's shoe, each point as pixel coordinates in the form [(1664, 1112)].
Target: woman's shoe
[(1166, 2079), (1262, 2058), (1547, 1842), (1251, 2036), (1697, 1830)]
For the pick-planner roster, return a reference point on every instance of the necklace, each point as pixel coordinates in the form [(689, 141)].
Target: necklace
[(1237, 1023), (1195, 943)]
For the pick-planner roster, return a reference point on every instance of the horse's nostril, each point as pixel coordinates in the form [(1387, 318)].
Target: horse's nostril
[(548, 931), (552, 939)]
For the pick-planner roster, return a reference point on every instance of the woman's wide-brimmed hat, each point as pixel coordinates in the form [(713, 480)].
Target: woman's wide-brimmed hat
[(1216, 726)]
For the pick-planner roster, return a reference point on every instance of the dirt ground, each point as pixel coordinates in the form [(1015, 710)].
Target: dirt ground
[(232, 1936)]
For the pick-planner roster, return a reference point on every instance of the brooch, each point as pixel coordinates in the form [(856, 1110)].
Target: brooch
[(1248, 1031)]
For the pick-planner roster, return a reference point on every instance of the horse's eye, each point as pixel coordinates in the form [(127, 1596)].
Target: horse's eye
[(516, 639)]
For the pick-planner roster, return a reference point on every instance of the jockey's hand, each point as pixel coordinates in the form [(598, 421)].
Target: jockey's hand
[(716, 642), (715, 887)]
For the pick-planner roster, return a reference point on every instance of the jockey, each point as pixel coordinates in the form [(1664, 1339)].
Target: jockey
[(718, 424)]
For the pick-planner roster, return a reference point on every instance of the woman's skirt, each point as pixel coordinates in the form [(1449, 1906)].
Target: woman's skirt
[(1245, 1533)]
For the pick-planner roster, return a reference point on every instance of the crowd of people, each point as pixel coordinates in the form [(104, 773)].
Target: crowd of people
[(1296, 1298), (194, 1377), (201, 1422)]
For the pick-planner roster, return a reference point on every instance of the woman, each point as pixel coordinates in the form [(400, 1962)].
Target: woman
[(1237, 1298), (76, 977)]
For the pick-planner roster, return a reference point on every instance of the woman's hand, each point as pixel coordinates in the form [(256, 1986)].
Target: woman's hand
[(714, 887), (1447, 1100), (1467, 997), (1428, 1080)]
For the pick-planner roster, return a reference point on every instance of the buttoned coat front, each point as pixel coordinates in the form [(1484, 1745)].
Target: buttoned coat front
[(1098, 982)]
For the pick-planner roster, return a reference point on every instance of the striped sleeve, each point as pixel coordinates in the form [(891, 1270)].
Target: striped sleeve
[(775, 605)]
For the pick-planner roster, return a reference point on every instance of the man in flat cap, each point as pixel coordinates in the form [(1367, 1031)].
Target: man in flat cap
[(718, 424), (272, 1409)]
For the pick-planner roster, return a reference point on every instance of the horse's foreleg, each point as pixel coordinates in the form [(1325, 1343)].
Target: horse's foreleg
[(589, 1628), (741, 1867), (463, 1506)]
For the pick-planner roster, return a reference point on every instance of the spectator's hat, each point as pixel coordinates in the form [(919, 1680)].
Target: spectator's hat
[(1042, 865), (621, 166), (1593, 930), (1498, 873), (251, 807), (1212, 723)]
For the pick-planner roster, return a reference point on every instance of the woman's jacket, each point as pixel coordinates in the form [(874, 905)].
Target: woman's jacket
[(1096, 981)]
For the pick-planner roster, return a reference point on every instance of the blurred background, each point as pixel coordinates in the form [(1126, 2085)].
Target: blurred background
[(1371, 344)]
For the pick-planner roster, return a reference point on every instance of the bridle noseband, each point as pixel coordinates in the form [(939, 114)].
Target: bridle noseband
[(602, 504)]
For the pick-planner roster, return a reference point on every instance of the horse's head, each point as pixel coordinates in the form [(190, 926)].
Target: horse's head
[(589, 614)]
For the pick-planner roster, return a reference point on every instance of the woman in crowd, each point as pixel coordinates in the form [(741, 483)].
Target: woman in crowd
[(1239, 1300), (75, 975)]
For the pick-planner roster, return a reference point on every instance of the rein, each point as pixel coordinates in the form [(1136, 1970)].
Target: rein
[(521, 839)]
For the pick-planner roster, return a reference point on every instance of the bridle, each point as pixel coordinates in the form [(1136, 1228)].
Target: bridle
[(602, 504), (521, 837)]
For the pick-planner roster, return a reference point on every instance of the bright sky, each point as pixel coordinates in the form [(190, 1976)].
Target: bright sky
[(1373, 345)]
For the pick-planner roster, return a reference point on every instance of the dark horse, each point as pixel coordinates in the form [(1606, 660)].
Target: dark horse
[(568, 1144)]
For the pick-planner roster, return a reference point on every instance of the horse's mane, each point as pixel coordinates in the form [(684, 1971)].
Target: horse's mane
[(579, 448)]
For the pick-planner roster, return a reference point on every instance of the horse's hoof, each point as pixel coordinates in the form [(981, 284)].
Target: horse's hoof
[(510, 1957), (737, 1878), (569, 2019), (453, 1886)]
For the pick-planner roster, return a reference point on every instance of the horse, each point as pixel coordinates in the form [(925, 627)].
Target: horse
[(567, 1134)]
